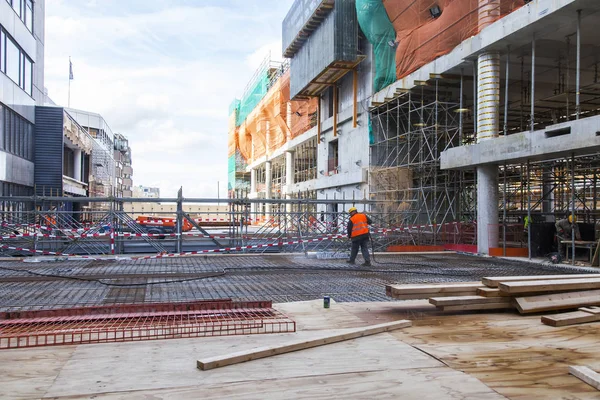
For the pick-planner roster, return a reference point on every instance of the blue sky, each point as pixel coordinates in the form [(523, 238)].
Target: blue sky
[(163, 73)]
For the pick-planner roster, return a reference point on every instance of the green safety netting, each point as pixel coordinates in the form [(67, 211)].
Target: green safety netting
[(231, 172), (234, 106), (380, 32), (252, 97)]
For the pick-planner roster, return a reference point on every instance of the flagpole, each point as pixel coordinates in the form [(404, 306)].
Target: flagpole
[(69, 98)]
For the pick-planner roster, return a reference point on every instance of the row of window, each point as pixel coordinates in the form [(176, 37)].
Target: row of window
[(16, 134), (24, 9), (15, 63)]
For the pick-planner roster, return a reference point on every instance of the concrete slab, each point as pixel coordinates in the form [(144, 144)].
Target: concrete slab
[(580, 137)]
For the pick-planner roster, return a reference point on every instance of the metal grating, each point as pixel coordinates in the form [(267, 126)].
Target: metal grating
[(140, 322)]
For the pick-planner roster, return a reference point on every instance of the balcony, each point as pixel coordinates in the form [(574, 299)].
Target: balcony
[(127, 182), (128, 170)]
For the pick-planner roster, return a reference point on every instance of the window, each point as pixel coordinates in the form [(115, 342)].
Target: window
[(26, 84), (24, 9), (2, 46), (16, 5), (13, 59), (16, 134), (332, 157), (15, 63), (29, 15)]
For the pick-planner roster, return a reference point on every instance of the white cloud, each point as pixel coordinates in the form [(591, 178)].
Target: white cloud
[(164, 78)]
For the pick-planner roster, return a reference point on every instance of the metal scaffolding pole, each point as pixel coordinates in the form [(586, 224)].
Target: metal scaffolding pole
[(578, 72), (532, 84)]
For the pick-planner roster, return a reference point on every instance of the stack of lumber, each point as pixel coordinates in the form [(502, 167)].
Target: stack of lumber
[(527, 294)]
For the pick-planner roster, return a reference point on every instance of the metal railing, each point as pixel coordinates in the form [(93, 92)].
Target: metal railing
[(76, 227)]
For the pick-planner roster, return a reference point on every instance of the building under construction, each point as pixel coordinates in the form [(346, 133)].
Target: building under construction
[(475, 118)]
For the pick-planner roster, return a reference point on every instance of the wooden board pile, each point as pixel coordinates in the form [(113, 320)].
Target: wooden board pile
[(527, 294)]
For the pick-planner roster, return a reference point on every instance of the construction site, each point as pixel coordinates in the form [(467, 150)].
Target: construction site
[(464, 133)]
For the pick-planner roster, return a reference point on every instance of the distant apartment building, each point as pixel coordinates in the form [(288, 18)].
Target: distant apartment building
[(123, 167), (102, 163), (146, 192), (21, 88)]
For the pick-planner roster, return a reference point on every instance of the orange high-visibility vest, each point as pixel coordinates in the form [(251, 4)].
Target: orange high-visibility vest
[(359, 225)]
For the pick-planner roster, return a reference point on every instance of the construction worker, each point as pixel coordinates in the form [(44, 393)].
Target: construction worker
[(358, 232), (564, 230)]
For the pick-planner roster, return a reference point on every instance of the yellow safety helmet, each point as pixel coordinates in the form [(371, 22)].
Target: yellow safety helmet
[(572, 218), (352, 209)]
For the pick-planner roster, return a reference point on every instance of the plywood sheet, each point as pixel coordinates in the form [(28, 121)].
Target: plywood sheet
[(29, 373), (169, 364), (411, 384), (311, 315)]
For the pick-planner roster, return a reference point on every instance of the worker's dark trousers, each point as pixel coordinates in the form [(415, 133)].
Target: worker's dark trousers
[(363, 243)]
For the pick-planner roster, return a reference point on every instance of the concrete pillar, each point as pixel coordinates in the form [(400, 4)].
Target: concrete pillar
[(488, 115), (268, 188), (487, 208), (289, 176), (77, 164)]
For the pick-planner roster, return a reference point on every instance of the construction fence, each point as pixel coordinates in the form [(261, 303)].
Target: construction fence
[(50, 226)]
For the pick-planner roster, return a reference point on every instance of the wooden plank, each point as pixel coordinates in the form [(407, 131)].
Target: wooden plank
[(478, 306), (466, 300), (262, 352), (591, 310), (436, 288), (549, 285), (490, 292), (557, 301), (418, 296), (494, 280), (570, 318), (586, 374)]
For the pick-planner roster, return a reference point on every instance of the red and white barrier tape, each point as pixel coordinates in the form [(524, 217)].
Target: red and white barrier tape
[(170, 255)]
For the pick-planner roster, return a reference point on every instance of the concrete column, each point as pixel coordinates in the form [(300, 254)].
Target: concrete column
[(289, 177), (77, 164), (488, 115), (268, 188), (487, 208), (253, 215)]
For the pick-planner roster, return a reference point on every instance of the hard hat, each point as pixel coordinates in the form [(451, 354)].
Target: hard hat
[(352, 209), (572, 218)]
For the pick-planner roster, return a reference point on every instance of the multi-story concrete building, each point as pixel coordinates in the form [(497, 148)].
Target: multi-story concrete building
[(301, 128), (21, 88), (457, 120)]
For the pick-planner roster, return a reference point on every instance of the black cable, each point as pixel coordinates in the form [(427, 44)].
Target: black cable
[(75, 278)]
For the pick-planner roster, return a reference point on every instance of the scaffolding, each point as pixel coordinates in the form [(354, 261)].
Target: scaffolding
[(405, 180)]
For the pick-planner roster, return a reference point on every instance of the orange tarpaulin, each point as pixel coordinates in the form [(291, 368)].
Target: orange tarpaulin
[(422, 38), (268, 127)]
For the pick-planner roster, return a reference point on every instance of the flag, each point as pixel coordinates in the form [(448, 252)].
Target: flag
[(70, 70)]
